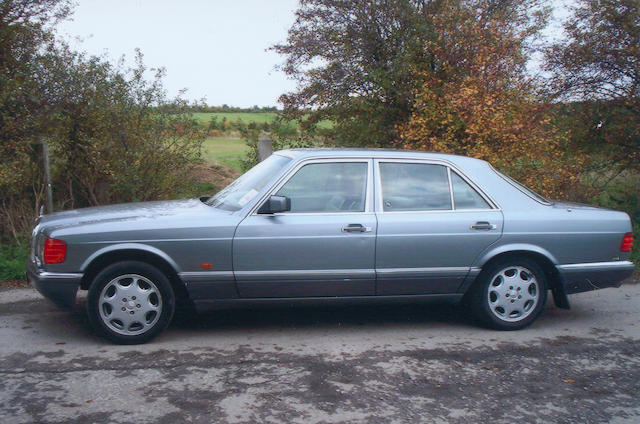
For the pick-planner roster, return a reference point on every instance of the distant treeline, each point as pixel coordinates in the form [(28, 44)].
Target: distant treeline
[(205, 108)]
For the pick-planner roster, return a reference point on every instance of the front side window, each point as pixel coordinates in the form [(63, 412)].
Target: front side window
[(414, 187), (465, 196), (327, 187)]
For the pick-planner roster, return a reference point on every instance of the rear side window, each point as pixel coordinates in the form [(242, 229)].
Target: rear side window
[(327, 187), (526, 190), (414, 187), (465, 196)]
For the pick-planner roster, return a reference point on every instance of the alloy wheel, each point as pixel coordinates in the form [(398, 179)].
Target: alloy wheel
[(513, 293), (130, 304)]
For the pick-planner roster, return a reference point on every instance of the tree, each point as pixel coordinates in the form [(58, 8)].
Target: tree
[(480, 101), (115, 141), (213, 123), (114, 135), (598, 65), (25, 39), (23, 35), (354, 63)]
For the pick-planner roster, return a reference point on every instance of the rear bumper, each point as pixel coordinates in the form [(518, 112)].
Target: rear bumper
[(595, 275), (61, 288)]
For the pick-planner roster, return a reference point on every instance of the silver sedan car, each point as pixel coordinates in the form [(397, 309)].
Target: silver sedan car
[(327, 225)]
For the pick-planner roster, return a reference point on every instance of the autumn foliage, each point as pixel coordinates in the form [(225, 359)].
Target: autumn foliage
[(480, 101), (439, 75)]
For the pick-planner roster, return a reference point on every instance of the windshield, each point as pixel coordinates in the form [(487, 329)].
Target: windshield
[(240, 192), (526, 190)]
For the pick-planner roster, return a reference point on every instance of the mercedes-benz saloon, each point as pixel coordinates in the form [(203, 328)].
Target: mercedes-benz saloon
[(319, 225)]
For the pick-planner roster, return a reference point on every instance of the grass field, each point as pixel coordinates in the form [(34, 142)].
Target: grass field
[(230, 151), (225, 151), (247, 117)]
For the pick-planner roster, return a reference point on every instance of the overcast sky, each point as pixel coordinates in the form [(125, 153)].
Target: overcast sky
[(213, 48)]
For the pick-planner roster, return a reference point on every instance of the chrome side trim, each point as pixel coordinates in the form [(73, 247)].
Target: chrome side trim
[(444, 211), (306, 274), (435, 270), (601, 265), (316, 213), (206, 275)]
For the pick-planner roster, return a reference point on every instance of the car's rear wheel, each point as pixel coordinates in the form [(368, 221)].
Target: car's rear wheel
[(509, 294), (130, 302)]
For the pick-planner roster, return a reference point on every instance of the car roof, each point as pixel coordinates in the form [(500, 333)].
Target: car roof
[(309, 153)]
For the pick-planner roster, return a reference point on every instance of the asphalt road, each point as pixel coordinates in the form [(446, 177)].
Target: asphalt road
[(317, 365)]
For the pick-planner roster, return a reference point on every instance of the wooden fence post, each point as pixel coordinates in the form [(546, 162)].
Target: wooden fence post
[(47, 176), (265, 147)]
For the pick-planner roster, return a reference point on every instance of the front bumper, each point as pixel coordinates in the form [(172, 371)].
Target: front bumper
[(61, 288), (595, 275)]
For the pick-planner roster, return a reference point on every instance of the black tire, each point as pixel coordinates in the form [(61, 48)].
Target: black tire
[(485, 298), (152, 281)]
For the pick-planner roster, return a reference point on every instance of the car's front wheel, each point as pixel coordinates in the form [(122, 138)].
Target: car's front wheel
[(130, 302), (509, 294)]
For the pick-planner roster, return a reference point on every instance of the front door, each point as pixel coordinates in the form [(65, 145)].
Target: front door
[(432, 224), (324, 246)]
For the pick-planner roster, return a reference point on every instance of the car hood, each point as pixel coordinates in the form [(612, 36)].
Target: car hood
[(125, 212)]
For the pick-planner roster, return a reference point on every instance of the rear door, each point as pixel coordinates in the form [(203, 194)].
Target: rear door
[(432, 223), (325, 246)]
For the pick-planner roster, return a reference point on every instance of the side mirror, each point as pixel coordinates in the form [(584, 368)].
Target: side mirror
[(275, 204)]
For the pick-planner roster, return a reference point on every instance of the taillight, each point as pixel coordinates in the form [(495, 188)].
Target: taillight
[(627, 243), (55, 251)]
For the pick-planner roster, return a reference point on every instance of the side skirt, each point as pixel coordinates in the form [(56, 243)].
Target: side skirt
[(219, 304)]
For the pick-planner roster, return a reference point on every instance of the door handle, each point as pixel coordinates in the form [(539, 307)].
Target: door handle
[(483, 225), (356, 228)]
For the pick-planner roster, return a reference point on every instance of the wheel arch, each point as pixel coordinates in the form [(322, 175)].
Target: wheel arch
[(540, 256), (131, 251), (515, 248)]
